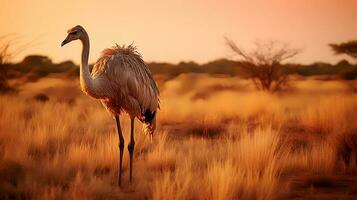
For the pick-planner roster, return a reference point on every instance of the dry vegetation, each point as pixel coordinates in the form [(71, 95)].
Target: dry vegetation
[(217, 139)]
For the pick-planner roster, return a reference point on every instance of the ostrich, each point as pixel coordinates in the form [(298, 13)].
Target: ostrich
[(122, 82)]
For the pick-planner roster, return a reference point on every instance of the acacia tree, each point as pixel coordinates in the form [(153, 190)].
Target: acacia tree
[(263, 64), (349, 48)]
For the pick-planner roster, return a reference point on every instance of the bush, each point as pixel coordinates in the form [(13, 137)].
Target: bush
[(41, 97), (349, 75)]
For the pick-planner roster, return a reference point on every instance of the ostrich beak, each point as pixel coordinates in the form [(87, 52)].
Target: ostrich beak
[(64, 42)]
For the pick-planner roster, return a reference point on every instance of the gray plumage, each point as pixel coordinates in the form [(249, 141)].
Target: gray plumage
[(130, 86)]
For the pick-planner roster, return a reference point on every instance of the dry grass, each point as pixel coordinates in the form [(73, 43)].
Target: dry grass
[(220, 144), (247, 168), (330, 115)]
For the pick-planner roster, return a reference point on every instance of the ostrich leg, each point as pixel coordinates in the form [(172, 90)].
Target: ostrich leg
[(131, 147), (121, 148)]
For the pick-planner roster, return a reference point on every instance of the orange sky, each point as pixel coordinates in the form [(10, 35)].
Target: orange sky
[(173, 30)]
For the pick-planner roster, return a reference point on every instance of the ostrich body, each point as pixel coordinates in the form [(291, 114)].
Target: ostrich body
[(122, 82)]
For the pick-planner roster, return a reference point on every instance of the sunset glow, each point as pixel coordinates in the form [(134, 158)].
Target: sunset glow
[(173, 31), (189, 99)]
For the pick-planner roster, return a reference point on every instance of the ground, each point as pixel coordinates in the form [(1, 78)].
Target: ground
[(217, 138)]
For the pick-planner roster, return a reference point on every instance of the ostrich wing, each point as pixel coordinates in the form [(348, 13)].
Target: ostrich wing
[(127, 72)]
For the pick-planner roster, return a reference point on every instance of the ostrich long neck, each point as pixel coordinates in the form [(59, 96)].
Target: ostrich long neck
[(87, 83)]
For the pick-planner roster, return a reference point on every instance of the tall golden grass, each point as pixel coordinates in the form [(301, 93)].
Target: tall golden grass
[(216, 139)]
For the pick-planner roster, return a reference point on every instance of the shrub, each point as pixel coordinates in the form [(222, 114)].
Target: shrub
[(41, 97)]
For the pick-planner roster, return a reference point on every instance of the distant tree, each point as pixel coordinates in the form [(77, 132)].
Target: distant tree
[(264, 65), (348, 48), (5, 56), (37, 60)]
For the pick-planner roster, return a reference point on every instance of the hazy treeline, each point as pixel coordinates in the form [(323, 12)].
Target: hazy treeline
[(40, 66)]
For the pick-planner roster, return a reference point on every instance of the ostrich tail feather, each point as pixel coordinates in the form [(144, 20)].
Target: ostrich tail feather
[(149, 127)]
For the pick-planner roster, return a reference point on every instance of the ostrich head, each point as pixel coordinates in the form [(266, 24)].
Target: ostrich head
[(74, 33)]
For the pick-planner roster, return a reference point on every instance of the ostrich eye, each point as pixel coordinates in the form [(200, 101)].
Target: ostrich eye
[(74, 32)]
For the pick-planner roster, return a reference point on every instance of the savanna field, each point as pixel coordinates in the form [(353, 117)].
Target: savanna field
[(217, 138), (216, 100)]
